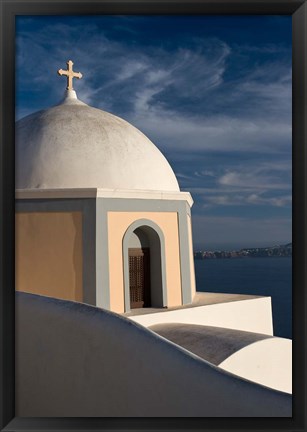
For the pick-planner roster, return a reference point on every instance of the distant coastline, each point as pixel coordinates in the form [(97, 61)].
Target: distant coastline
[(272, 251)]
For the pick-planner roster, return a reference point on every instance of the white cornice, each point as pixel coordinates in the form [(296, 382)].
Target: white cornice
[(101, 193)]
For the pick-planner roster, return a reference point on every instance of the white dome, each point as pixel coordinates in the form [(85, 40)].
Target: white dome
[(73, 145)]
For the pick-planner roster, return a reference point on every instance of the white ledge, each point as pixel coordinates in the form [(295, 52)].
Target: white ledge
[(102, 193)]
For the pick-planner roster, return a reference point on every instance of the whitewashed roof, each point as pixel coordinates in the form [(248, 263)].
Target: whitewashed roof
[(73, 145)]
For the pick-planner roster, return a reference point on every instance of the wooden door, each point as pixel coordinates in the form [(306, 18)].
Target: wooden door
[(139, 277)]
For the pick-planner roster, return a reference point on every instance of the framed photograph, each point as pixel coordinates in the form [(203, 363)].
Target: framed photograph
[(153, 197)]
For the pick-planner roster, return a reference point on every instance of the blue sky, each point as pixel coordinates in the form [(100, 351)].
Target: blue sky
[(212, 92)]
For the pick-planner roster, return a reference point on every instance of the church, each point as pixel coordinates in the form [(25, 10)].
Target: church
[(100, 218), (105, 274)]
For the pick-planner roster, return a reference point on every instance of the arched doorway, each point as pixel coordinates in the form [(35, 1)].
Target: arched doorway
[(144, 266), (139, 270)]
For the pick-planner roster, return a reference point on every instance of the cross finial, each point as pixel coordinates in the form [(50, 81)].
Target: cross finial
[(70, 74)]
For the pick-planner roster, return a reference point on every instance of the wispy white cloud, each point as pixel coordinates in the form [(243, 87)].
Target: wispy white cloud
[(253, 184), (233, 199), (130, 69), (250, 180), (214, 133), (278, 202), (205, 173)]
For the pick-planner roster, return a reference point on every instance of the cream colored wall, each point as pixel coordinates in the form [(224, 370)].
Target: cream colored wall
[(48, 254), (118, 223), (192, 269)]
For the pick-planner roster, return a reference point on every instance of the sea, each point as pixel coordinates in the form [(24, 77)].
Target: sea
[(268, 276)]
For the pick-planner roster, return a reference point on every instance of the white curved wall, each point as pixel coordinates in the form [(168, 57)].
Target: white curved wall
[(267, 362), (77, 360), (254, 315)]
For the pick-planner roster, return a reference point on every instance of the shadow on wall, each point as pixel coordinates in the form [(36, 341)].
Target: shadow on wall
[(77, 360)]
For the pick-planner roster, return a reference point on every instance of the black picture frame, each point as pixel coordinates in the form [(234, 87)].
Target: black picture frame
[(9, 10)]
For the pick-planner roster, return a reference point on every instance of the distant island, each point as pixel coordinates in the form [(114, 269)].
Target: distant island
[(273, 251)]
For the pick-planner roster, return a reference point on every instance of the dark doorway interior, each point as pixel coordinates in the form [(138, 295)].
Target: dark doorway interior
[(139, 277)]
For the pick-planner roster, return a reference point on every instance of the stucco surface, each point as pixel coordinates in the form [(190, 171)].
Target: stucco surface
[(73, 145), (192, 268), (118, 223), (214, 344), (200, 299), (267, 362), (103, 193), (77, 360), (48, 254), (252, 315)]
